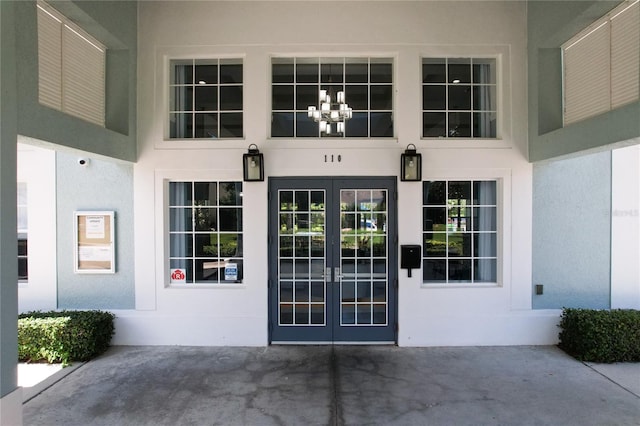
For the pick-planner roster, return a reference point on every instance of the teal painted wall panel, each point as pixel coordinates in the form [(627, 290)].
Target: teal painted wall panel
[(114, 24), (102, 185), (8, 243), (549, 24), (572, 232)]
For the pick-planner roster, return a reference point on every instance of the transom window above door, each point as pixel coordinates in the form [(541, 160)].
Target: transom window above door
[(365, 85), (459, 98), (205, 99)]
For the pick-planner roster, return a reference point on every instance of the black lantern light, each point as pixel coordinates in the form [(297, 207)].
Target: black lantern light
[(411, 164), (253, 165)]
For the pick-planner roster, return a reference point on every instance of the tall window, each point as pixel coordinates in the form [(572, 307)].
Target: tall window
[(460, 232), (602, 64), (459, 98), (23, 224), (71, 67), (367, 84), (205, 232), (205, 99)]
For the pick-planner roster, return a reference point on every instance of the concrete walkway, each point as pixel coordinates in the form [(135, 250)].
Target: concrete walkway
[(341, 385)]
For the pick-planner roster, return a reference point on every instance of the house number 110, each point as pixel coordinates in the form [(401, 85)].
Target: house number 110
[(332, 158)]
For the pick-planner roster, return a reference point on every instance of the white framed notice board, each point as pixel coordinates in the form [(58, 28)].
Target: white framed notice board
[(94, 249)]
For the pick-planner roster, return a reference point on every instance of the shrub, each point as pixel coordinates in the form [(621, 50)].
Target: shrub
[(601, 335), (64, 336)]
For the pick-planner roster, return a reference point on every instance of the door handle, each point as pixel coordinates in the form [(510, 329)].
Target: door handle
[(337, 273), (327, 274)]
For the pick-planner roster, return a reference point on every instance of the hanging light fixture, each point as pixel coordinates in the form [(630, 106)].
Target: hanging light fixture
[(330, 113), (411, 164), (253, 165)]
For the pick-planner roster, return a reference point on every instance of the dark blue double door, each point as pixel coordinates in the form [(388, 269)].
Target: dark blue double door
[(332, 260)]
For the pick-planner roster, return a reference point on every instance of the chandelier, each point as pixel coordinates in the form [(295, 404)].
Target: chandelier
[(330, 112)]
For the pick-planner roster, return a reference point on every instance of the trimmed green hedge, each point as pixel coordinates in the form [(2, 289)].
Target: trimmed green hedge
[(63, 336), (601, 335)]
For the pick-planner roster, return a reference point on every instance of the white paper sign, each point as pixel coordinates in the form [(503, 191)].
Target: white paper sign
[(231, 271), (101, 253), (94, 227)]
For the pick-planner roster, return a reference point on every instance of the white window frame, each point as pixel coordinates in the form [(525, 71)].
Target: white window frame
[(447, 84), (504, 224), (326, 59), (471, 282), (167, 270), (600, 65), (172, 85), (71, 68)]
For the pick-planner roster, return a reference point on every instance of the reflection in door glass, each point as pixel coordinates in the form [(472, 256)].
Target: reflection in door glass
[(301, 250), (363, 257)]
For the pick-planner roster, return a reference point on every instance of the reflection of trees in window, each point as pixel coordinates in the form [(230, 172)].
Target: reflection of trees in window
[(459, 231), (205, 229)]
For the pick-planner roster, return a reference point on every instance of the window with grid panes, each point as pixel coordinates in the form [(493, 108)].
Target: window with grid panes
[(367, 84), (601, 64), (459, 98), (23, 232), (205, 232), (460, 231), (71, 67), (205, 99)]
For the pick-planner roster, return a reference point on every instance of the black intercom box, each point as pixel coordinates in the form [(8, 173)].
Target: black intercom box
[(410, 256)]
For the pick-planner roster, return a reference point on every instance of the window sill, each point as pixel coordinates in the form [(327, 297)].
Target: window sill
[(225, 143), (337, 143), (459, 285), (222, 286), (467, 143)]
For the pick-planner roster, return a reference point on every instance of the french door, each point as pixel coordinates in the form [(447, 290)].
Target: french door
[(332, 260)]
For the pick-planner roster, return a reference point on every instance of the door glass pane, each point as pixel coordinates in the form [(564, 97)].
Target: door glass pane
[(348, 314), (348, 291), (380, 314), (363, 314), (286, 313), (363, 257), (317, 314), (286, 291), (301, 313), (301, 251), (302, 291)]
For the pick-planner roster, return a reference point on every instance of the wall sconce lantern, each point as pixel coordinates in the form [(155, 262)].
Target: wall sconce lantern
[(411, 164), (253, 165)]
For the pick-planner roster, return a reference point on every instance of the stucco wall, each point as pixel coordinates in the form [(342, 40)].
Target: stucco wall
[(406, 31), (549, 25), (100, 185), (625, 228), (572, 232), (114, 24), (10, 409), (37, 168)]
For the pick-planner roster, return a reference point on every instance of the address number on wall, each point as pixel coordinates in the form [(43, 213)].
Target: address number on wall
[(332, 158)]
